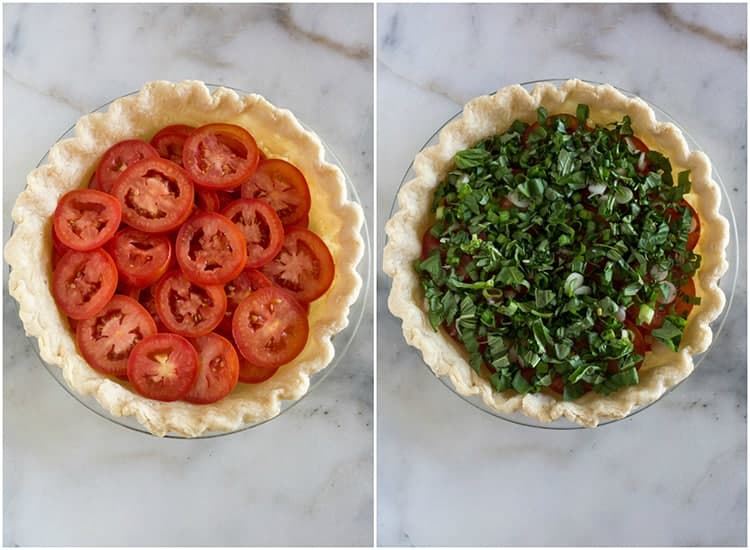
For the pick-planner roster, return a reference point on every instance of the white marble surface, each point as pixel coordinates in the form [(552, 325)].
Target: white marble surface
[(449, 474), (72, 478)]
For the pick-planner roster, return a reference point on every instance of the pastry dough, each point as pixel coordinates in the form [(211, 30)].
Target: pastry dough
[(71, 163), (492, 115)]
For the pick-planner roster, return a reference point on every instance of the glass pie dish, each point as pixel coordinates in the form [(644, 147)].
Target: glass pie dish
[(433, 162), (340, 340)]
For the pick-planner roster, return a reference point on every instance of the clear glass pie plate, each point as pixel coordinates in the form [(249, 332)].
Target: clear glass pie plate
[(341, 341), (727, 283)]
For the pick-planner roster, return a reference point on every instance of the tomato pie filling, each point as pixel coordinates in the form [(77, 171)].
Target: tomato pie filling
[(160, 264), (559, 255)]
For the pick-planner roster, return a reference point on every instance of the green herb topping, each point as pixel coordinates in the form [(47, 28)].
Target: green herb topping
[(559, 253)]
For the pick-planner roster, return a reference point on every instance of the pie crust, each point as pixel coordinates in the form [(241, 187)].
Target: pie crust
[(70, 164), (492, 115)]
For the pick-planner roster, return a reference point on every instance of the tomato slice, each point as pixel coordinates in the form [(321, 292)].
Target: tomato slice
[(107, 339), (218, 369), (208, 200), (163, 366), (283, 186), (141, 258), (147, 299), (253, 374), (83, 282), (169, 141), (86, 218), (695, 227), (261, 227), (237, 290), (58, 248), (637, 146), (117, 159), (156, 195), (429, 243), (186, 308), (639, 344), (270, 327), (210, 249), (304, 265), (220, 156)]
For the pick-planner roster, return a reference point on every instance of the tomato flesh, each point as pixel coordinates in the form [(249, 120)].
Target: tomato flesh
[(218, 369), (270, 327), (86, 218), (283, 186), (156, 195), (187, 308), (304, 265), (83, 282), (169, 141), (163, 366), (107, 339), (118, 158), (261, 228), (141, 258), (220, 156), (210, 249), (253, 374), (237, 290)]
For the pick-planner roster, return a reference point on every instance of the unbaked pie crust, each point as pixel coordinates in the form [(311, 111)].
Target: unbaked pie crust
[(492, 115), (70, 164)]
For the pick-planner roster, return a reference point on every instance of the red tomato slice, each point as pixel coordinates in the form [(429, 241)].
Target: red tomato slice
[(635, 144), (156, 195), (208, 200), (107, 339), (147, 299), (253, 374), (210, 249), (695, 226), (639, 345), (220, 156), (304, 265), (141, 258), (84, 282), (58, 248), (304, 222), (283, 186), (163, 367), (118, 158), (429, 243), (86, 219), (270, 327), (189, 309), (218, 369), (261, 227), (237, 290), (169, 141)]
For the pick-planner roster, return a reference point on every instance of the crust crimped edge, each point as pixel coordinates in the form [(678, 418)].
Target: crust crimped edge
[(71, 162), (490, 115)]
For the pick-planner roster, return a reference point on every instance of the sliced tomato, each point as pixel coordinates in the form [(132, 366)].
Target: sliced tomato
[(283, 186), (220, 156), (210, 249), (156, 195), (208, 200), (58, 248), (218, 369), (695, 226), (86, 218), (570, 121), (147, 299), (637, 146), (270, 327), (83, 282), (530, 130), (107, 339), (304, 222), (237, 290), (169, 141), (141, 258), (429, 243), (118, 158), (186, 308), (253, 374), (261, 227), (163, 366), (304, 265)]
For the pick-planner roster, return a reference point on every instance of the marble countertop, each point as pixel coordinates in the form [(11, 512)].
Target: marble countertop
[(73, 478), (450, 474)]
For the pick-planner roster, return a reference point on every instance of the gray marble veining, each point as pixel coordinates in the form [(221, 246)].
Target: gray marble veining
[(72, 478), (675, 474)]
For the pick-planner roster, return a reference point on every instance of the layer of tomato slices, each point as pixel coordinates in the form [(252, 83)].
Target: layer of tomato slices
[(172, 278)]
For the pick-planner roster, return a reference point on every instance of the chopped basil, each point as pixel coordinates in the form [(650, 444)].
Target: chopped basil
[(548, 234)]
